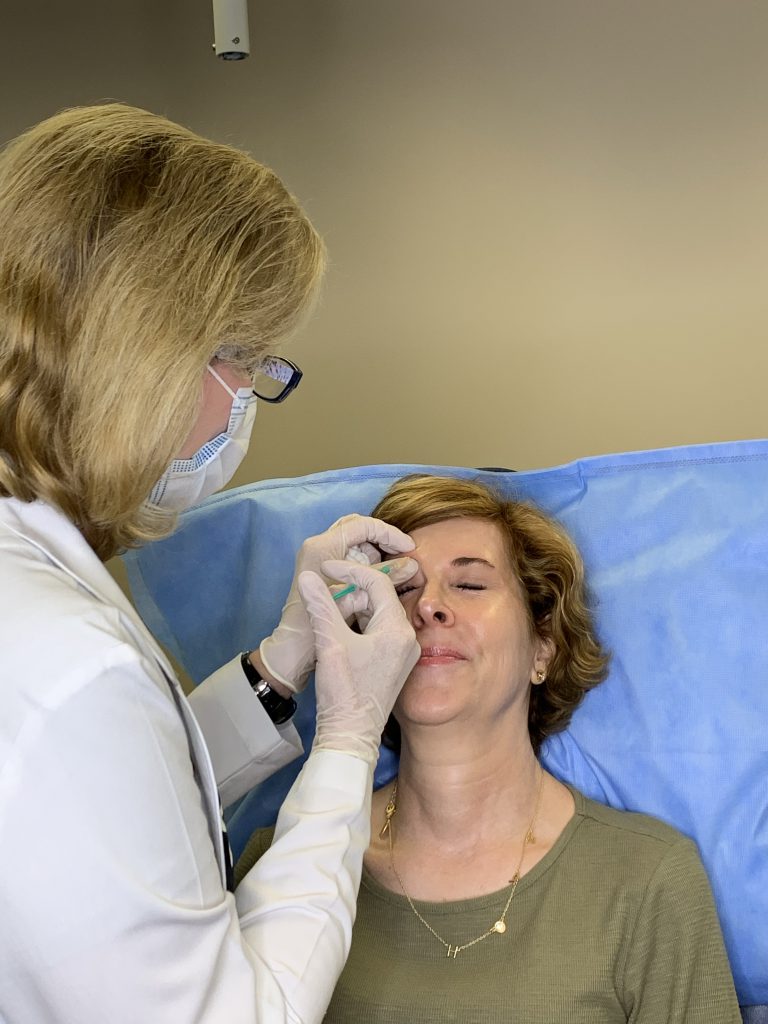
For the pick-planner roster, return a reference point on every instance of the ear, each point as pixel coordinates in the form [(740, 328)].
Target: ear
[(543, 654)]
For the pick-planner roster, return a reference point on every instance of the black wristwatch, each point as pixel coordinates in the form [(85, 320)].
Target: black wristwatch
[(279, 709)]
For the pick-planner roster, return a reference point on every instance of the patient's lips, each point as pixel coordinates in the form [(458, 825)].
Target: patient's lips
[(439, 655)]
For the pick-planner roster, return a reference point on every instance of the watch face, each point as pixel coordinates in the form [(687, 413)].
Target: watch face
[(279, 709)]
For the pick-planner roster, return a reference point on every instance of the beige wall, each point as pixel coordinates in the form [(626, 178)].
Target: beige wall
[(546, 220)]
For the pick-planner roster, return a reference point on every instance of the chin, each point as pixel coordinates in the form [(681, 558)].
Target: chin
[(427, 702)]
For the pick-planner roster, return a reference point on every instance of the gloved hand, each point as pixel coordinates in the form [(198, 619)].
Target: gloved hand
[(289, 653), (358, 676)]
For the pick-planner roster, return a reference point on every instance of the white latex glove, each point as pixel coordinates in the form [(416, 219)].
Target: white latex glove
[(358, 675), (289, 653)]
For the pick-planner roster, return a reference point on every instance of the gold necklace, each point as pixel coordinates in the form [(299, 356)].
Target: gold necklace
[(498, 927)]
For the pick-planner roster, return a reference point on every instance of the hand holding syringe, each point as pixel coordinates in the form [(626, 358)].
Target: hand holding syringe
[(353, 586), (288, 654), (355, 608)]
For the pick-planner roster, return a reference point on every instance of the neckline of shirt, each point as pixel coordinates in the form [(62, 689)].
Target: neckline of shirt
[(490, 898)]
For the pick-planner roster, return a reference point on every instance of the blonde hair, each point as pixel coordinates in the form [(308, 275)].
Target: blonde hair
[(551, 575), (131, 251)]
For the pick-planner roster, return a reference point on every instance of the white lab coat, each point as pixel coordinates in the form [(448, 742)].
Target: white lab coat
[(112, 901)]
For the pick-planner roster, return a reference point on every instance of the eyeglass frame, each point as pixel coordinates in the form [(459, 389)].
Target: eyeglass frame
[(230, 354), (290, 385)]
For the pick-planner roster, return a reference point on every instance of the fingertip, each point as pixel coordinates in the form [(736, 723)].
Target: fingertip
[(338, 569), (407, 563), (397, 542), (400, 569), (375, 531), (306, 581)]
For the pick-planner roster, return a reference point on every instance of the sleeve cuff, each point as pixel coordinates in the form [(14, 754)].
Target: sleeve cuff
[(244, 744)]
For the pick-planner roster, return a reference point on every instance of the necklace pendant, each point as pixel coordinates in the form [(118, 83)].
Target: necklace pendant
[(452, 951), (389, 810), (500, 927)]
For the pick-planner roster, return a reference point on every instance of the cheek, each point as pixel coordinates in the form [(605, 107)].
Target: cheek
[(504, 638)]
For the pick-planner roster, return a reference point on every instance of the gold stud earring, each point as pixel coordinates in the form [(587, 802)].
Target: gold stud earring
[(541, 676)]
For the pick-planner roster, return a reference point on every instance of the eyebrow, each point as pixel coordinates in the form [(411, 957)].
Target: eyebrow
[(474, 560)]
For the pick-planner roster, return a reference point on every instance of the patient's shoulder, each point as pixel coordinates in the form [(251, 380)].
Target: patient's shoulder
[(624, 855), (635, 834), (257, 845)]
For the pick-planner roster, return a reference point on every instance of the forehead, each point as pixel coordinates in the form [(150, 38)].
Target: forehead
[(441, 543)]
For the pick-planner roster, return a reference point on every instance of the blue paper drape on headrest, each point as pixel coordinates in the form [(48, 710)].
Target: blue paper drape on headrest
[(676, 547)]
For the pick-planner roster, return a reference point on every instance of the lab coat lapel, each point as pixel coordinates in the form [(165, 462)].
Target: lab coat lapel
[(53, 534)]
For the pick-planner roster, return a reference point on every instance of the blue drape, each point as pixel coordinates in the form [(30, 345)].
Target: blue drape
[(676, 546)]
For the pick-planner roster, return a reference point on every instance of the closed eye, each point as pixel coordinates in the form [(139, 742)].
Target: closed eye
[(406, 588)]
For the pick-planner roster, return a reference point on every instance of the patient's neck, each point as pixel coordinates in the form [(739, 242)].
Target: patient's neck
[(459, 790)]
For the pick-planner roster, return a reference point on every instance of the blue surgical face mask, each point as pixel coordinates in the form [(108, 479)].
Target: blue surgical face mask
[(187, 481)]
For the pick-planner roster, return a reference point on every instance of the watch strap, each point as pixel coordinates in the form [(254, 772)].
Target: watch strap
[(279, 709)]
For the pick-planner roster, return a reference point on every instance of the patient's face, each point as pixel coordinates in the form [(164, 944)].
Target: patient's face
[(479, 653)]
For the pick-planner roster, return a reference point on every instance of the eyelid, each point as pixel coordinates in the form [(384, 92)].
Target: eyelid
[(412, 584), (404, 588)]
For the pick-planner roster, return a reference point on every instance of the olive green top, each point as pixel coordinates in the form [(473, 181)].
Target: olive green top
[(616, 923)]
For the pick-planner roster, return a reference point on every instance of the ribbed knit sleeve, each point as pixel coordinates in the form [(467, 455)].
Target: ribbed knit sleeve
[(676, 969)]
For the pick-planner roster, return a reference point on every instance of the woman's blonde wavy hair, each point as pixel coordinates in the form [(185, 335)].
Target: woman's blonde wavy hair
[(551, 576), (131, 252)]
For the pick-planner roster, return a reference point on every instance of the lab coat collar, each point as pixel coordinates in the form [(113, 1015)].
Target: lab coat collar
[(49, 530)]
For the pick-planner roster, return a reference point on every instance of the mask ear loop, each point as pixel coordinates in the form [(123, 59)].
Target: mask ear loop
[(221, 381)]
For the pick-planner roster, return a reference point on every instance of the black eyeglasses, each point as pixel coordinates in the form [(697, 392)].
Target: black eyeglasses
[(275, 378)]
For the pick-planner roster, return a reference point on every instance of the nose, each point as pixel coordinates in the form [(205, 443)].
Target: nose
[(432, 607)]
